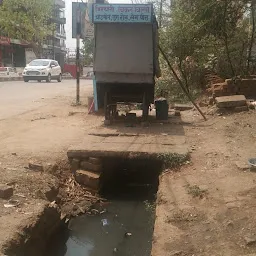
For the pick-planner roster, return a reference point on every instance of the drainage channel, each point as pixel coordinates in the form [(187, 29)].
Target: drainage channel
[(124, 224)]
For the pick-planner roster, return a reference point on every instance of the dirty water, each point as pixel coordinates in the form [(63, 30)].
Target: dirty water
[(124, 228), (124, 224)]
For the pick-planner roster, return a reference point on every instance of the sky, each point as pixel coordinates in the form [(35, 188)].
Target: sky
[(71, 43)]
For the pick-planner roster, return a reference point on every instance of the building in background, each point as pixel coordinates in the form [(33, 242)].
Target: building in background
[(12, 52), (55, 45)]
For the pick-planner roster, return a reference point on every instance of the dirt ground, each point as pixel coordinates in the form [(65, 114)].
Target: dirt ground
[(37, 128), (208, 206), (205, 208)]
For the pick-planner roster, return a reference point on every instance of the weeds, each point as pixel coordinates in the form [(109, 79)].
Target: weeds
[(171, 160), (196, 191)]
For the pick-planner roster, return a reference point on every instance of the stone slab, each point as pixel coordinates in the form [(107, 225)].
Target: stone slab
[(88, 179), (137, 147), (231, 101), (5, 191), (183, 107)]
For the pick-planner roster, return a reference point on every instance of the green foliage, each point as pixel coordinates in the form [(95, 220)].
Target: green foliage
[(203, 37), (173, 160), (87, 51), (27, 20)]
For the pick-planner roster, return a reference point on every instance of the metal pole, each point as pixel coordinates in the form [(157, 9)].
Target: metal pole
[(78, 36), (53, 44), (161, 14)]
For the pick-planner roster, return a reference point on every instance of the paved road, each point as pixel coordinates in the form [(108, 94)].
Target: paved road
[(19, 97)]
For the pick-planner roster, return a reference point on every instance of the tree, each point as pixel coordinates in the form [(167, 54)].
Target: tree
[(207, 36), (87, 50), (27, 20)]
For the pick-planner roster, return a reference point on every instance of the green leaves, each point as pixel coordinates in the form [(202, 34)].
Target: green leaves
[(26, 19), (206, 36)]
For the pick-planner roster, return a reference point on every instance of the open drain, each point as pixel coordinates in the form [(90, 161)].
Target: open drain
[(124, 224)]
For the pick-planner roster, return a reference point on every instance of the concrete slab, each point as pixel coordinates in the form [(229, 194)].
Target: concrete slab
[(120, 141), (183, 107), (231, 101)]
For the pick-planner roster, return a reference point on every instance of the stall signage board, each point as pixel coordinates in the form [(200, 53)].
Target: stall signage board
[(122, 13)]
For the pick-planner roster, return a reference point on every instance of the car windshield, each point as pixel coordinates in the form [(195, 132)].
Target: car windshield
[(39, 63)]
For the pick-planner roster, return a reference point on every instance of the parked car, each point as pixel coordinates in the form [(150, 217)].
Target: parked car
[(42, 69), (8, 72)]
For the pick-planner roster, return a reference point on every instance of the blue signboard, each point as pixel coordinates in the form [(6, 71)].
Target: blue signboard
[(122, 13)]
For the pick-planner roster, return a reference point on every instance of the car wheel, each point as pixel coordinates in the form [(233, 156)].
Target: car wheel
[(26, 80), (59, 78), (49, 78)]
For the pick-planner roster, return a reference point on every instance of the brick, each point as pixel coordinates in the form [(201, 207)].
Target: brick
[(231, 101), (241, 109), (75, 165), (5, 191), (36, 167), (88, 179), (94, 160), (229, 82), (85, 165)]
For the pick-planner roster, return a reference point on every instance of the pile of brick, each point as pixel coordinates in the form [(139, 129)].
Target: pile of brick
[(87, 172), (234, 103), (246, 87)]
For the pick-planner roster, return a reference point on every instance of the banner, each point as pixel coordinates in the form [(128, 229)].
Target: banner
[(122, 13)]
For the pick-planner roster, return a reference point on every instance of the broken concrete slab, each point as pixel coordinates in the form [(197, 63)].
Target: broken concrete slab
[(183, 107), (85, 165), (5, 191), (231, 101), (88, 179)]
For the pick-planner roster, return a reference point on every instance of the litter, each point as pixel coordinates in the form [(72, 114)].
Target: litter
[(104, 222), (11, 203), (128, 234)]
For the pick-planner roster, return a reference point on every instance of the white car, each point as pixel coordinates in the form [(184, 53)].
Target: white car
[(42, 69)]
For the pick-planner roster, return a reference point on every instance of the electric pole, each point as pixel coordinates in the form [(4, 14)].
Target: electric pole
[(78, 36)]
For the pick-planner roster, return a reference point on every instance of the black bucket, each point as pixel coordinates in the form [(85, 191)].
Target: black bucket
[(162, 108)]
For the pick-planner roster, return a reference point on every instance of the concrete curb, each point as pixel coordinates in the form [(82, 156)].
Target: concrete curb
[(10, 79)]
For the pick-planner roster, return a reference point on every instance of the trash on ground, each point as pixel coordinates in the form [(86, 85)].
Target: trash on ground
[(128, 234), (11, 203), (104, 222)]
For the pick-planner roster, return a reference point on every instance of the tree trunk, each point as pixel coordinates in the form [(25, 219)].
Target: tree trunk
[(252, 39), (226, 39), (37, 50)]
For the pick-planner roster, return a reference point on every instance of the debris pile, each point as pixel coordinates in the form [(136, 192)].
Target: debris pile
[(238, 86), (75, 199)]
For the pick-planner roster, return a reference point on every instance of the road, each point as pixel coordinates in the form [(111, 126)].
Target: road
[(18, 97)]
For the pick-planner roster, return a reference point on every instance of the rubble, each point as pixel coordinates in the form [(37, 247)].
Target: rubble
[(5, 191), (246, 87)]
